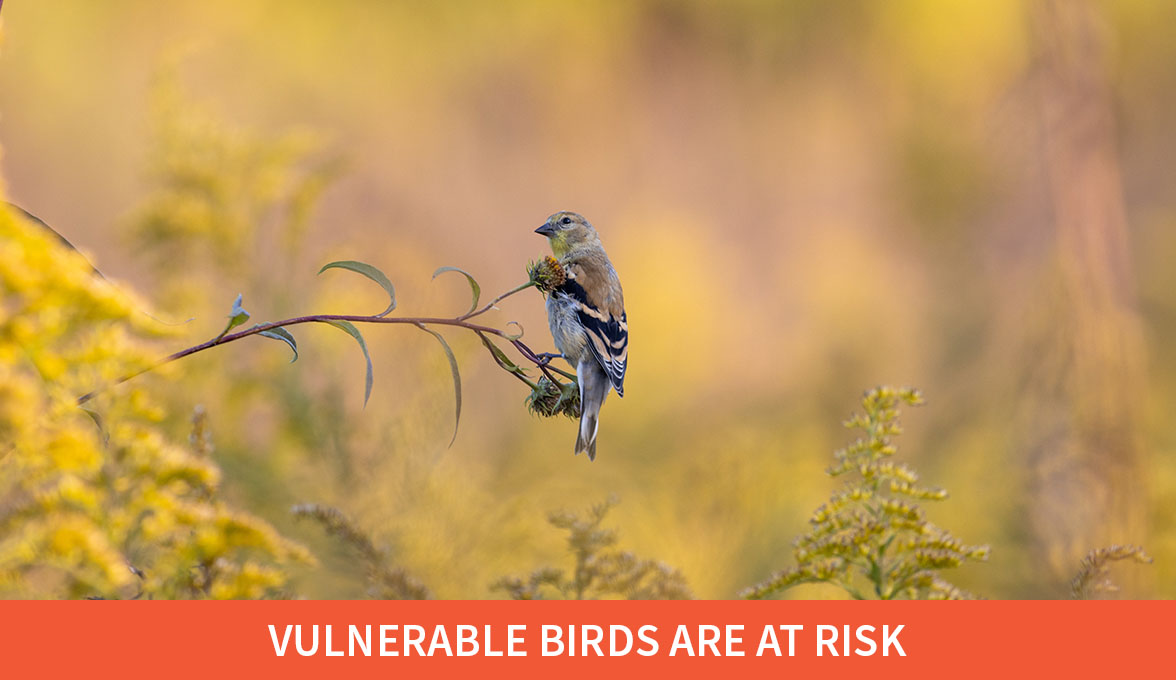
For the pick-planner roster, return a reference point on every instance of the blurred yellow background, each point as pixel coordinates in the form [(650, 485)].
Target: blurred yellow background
[(803, 200)]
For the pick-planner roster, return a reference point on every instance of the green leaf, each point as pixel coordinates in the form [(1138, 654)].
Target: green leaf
[(350, 329), (514, 336), (477, 290), (370, 272), (98, 422), (500, 356), (454, 371), (284, 335), (237, 316)]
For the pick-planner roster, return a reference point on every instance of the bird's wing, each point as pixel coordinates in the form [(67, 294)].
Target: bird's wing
[(609, 340), (605, 324)]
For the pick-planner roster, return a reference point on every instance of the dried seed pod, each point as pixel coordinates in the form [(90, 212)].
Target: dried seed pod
[(547, 274), (551, 399)]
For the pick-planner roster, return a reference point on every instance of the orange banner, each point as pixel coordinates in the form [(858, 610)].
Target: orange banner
[(580, 639)]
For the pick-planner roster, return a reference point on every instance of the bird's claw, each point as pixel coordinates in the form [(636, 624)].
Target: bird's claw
[(546, 357)]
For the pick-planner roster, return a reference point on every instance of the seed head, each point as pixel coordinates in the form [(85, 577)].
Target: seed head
[(549, 399), (547, 274)]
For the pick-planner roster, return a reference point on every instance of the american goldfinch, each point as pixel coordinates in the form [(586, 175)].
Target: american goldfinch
[(587, 318)]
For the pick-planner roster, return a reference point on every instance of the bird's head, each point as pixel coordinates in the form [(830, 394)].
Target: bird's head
[(567, 231)]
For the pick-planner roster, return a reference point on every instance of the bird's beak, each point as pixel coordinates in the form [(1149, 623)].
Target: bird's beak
[(546, 230)]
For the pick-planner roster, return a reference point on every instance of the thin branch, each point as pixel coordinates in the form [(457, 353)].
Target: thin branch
[(543, 364), (459, 322), (495, 301)]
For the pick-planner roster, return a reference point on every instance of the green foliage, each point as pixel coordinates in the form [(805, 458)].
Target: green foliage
[(475, 289), (372, 273), (501, 359), (600, 571), (285, 336), (1094, 576), (452, 371), (385, 581), (237, 316), (350, 329), (872, 539)]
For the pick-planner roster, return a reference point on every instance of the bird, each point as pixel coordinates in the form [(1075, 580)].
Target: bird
[(587, 318)]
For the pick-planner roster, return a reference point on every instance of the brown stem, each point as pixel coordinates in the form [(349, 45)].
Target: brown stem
[(530, 355), (493, 302), (459, 322)]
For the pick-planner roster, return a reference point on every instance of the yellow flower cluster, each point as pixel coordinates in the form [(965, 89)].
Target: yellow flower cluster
[(96, 501), (218, 191)]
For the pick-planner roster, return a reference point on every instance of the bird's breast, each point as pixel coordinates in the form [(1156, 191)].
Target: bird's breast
[(566, 329)]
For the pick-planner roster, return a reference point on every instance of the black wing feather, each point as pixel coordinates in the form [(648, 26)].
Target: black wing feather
[(610, 345), (608, 336)]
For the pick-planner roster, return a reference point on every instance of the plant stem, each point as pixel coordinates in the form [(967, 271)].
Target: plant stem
[(495, 301), (459, 322)]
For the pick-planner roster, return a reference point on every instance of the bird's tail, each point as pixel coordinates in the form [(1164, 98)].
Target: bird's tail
[(593, 389)]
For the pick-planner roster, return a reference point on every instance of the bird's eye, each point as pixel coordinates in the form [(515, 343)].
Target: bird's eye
[(566, 220)]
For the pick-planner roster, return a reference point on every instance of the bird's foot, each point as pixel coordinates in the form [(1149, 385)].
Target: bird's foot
[(546, 357)]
